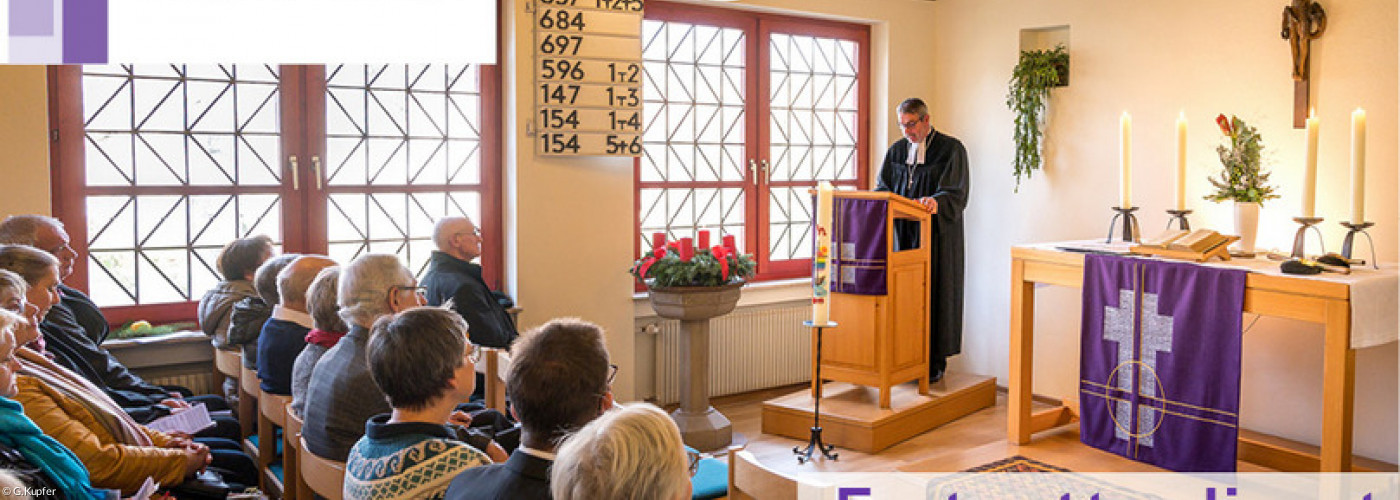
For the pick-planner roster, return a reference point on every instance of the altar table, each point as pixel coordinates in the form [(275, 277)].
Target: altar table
[(1317, 299)]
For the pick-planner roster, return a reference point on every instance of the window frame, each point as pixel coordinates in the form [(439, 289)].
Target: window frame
[(758, 28), (300, 129)]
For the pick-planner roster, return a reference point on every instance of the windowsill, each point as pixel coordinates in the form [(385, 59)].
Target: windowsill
[(754, 294), (162, 350)]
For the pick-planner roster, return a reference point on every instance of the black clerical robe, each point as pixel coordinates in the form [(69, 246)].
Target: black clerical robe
[(943, 175)]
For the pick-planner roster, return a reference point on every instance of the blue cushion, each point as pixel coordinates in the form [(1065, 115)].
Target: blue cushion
[(277, 452), (277, 471), (711, 479)]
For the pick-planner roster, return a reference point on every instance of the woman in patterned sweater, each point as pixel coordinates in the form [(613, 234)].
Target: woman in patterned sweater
[(422, 360)]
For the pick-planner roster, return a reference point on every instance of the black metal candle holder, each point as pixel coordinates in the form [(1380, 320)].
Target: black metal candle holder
[(1352, 230), (1300, 238), (1179, 217), (814, 443), (1130, 225)]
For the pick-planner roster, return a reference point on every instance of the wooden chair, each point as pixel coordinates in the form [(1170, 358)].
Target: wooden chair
[(323, 476), (291, 456), (249, 387), (227, 365), (749, 479), (495, 368), (272, 414)]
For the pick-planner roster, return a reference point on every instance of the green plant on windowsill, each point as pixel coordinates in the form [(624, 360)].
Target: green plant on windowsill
[(140, 329), (1027, 95)]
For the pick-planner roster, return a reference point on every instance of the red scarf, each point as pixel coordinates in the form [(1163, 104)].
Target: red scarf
[(323, 338)]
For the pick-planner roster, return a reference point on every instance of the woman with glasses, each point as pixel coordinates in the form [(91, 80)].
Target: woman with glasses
[(632, 452), (424, 363)]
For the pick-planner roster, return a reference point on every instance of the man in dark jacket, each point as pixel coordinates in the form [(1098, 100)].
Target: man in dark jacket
[(559, 381), (452, 276), (74, 326)]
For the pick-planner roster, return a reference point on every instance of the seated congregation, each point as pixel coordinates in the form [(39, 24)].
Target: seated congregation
[(385, 385)]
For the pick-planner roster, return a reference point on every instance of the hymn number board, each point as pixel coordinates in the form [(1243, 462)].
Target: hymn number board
[(588, 77)]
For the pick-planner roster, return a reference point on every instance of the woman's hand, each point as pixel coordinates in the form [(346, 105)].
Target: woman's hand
[(196, 459)]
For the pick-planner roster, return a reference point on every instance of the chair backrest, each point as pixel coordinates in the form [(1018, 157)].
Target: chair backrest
[(229, 363), (293, 485), (248, 379), (496, 366), (750, 479), (325, 477), (293, 427), (274, 407)]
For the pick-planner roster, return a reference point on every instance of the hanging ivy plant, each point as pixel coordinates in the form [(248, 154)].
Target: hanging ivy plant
[(1028, 92)]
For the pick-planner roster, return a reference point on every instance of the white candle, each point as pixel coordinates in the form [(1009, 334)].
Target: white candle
[(1125, 151), (1358, 166), (1181, 161), (1310, 170), (821, 269)]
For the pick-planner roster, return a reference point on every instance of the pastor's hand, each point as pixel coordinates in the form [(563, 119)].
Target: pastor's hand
[(930, 203)]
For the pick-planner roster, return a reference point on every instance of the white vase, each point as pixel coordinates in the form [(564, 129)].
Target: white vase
[(1246, 225)]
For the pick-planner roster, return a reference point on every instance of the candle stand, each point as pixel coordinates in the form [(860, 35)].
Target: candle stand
[(1352, 230), (1179, 217), (814, 443), (1130, 224), (1300, 238)]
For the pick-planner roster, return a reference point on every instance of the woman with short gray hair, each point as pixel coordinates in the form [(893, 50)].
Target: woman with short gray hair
[(326, 330), (365, 285), (632, 452)]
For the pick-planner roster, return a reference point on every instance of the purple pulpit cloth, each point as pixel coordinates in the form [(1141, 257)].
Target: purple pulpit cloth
[(1160, 362), (858, 264)]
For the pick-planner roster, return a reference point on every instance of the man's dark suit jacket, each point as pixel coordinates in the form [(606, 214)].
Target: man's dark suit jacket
[(523, 476), (451, 278)]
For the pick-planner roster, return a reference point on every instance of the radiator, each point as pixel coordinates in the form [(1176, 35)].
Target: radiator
[(750, 349), (199, 383)]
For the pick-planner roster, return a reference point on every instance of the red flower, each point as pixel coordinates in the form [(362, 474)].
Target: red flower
[(659, 252), (1224, 125)]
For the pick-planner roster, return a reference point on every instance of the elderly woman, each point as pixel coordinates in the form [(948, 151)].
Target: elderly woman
[(327, 329), (632, 452), (425, 365), (118, 452), (37, 460)]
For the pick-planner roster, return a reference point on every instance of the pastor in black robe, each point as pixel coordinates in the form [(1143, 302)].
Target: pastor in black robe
[(942, 175)]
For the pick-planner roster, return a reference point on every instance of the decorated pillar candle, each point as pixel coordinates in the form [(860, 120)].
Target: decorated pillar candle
[(1358, 166), (1310, 170), (658, 240), (821, 270), (729, 243), (686, 250), (1125, 161), (704, 241), (1181, 161)]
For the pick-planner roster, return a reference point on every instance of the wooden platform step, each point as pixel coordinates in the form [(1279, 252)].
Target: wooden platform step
[(851, 417)]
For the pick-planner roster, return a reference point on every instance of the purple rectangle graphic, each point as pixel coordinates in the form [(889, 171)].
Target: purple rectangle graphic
[(85, 31), (31, 17)]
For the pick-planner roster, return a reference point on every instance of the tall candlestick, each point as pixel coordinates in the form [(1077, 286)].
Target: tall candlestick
[(1125, 151), (1181, 161), (821, 270), (1358, 166), (1310, 170)]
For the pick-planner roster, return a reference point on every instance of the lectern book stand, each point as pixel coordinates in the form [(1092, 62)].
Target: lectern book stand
[(874, 382)]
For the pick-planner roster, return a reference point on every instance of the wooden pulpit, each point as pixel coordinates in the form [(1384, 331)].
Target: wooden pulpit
[(879, 296)]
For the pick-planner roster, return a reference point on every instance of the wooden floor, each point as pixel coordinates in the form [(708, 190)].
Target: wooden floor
[(974, 440)]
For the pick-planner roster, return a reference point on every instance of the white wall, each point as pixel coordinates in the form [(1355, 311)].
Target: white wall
[(1155, 59)]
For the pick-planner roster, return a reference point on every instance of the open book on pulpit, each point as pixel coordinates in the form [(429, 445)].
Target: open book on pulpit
[(1199, 245)]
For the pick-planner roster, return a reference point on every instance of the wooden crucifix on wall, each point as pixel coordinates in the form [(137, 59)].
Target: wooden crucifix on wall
[(1302, 22)]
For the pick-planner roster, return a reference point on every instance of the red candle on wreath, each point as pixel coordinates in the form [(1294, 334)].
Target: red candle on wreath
[(658, 240), (704, 240), (686, 250), (729, 243)]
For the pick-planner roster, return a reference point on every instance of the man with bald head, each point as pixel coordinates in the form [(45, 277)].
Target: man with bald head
[(452, 275), (284, 334)]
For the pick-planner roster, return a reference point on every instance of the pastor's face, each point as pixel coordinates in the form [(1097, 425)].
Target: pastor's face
[(915, 127)]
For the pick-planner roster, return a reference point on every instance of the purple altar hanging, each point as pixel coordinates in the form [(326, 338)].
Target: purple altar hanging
[(1160, 362), (858, 263)]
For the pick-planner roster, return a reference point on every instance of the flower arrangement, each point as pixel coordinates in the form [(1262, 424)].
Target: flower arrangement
[(681, 263), (1241, 180)]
